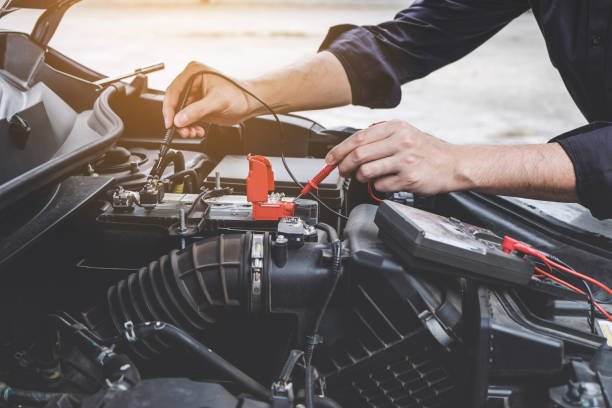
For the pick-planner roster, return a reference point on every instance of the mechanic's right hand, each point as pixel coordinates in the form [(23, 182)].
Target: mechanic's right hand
[(211, 99)]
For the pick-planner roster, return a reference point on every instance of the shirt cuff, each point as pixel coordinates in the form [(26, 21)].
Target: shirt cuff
[(590, 150)]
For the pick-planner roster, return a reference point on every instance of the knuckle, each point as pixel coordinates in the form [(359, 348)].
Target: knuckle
[(368, 170), (406, 140), (342, 169), (359, 138), (407, 177), (380, 185), (360, 177), (358, 155), (402, 124)]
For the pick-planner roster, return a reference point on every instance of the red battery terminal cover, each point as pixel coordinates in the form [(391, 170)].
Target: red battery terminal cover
[(259, 183)]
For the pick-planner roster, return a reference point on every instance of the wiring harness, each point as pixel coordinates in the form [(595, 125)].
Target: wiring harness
[(553, 266)]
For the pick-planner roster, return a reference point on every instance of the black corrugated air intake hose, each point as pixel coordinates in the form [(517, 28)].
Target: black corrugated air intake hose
[(217, 277)]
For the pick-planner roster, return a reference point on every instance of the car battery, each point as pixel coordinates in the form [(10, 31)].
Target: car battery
[(234, 169)]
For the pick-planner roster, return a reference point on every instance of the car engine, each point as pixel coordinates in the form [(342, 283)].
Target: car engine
[(211, 285)]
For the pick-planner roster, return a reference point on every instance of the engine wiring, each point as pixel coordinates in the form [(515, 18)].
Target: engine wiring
[(510, 244), (280, 130), (371, 192)]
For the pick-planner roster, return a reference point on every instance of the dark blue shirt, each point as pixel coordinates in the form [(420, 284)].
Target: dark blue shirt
[(432, 33)]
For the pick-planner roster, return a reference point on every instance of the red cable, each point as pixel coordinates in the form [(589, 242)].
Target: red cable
[(510, 244), (371, 191), (581, 276), (575, 289)]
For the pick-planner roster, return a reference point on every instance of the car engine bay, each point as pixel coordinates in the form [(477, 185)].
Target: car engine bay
[(211, 285)]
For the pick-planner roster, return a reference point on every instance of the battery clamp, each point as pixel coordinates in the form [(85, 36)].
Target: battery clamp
[(267, 206)]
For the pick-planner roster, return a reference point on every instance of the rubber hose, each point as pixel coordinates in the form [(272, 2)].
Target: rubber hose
[(175, 157), (174, 334), (28, 398), (308, 387), (332, 234)]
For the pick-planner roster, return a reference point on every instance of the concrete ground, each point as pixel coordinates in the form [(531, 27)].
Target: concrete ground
[(504, 92)]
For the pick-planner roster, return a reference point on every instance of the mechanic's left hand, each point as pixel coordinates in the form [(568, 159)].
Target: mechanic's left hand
[(396, 156)]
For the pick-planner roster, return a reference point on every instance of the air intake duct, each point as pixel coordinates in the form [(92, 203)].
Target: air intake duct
[(214, 278)]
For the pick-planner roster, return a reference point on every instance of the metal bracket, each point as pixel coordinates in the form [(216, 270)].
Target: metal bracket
[(105, 353), (130, 335)]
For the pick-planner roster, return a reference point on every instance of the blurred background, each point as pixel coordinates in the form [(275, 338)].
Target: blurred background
[(504, 92)]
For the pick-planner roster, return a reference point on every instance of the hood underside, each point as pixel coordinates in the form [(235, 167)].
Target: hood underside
[(36, 4)]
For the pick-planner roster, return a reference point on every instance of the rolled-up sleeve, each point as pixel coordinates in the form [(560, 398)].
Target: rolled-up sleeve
[(590, 150), (428, 35)]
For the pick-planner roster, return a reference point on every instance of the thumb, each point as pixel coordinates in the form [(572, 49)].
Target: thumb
[(196, 111)]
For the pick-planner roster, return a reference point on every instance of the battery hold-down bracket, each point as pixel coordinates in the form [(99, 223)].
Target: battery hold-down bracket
[(259, 185)]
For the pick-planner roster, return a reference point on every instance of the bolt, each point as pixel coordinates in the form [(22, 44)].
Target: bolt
[(217, 180), (183, 226)]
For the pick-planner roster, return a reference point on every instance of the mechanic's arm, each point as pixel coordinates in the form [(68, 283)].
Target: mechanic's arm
[(395, 156), (315, 82), (359, 65)]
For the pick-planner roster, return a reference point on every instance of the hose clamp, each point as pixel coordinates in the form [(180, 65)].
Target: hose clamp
[(257, 266), (130, 334), (104, 354)]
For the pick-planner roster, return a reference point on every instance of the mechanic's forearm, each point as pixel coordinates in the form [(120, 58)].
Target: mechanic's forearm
[(316, 82), (542, 172)]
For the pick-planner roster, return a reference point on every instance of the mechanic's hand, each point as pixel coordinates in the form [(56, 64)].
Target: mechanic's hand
[(211, 99), (396, 156)]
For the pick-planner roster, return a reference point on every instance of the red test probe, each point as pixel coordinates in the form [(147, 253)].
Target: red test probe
[(322, 175), (316, 180)]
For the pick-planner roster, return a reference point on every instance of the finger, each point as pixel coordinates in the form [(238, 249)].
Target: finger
[(196, 131), (360, 138), (168, 114), (172, 96), (196, 111), (175, 90), (388, 184), (184, 132), (366, 153), (377, 169)]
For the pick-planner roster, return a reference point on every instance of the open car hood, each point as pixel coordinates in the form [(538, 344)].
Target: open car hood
[(37, 4)]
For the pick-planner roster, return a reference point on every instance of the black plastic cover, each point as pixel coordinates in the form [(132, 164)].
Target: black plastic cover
[(369, 255), (429, 241), (396, 334), (49, 138)]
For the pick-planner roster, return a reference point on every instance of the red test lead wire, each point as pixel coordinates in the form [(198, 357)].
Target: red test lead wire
[(511, 244), (575, 289), (371, 191)]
